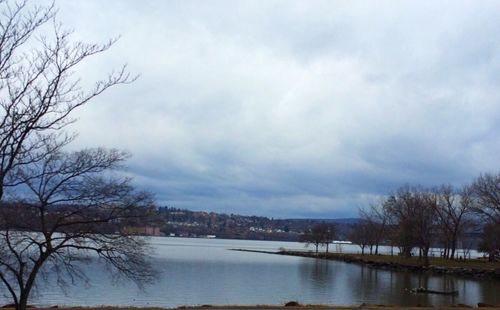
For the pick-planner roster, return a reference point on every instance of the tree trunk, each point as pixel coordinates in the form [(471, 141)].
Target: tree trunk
[(23, 301), (327, 248), (1, 187), (453, 246), (426, 256), (30, 282), (407, 252)]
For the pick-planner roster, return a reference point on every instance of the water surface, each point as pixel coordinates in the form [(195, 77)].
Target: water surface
[(204, 271)]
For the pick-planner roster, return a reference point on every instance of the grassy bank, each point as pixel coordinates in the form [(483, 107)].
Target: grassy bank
[(477, 268), (412, 261)]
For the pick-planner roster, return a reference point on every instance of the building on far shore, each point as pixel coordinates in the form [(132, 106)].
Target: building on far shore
[(142, 230)]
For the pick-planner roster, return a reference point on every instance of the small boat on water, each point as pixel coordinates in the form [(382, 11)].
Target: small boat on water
[(422, 290)]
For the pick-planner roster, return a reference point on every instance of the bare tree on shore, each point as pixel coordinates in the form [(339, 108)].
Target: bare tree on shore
[(319, 234), (360, 235), (452, 210), (401, 210), (426, 232), (66, 210), (57, 208), (485, 191), (410, 214), (330, 233), (417, 217), (375, 218)]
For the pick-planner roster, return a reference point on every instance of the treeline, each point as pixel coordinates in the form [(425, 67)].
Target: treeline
[(418, 218), (19, 216), (183, 222)]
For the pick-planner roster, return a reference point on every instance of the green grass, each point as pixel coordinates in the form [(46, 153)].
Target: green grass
[(437, 261), (412, 261)]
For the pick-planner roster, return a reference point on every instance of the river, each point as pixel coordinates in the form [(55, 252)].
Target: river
[(205, 271)]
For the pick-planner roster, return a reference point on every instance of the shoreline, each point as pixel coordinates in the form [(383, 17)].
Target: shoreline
[(268, 307), (393, 263)]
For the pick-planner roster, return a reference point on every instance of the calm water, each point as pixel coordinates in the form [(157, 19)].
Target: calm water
[(203, 271)]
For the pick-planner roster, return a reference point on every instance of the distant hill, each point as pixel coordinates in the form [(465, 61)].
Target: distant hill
[(182, 222), (352, 220)]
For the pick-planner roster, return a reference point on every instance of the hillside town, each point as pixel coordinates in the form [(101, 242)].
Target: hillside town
[(187, 223)]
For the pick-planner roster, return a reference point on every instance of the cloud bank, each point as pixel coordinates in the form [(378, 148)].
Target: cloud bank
[(294, 109)]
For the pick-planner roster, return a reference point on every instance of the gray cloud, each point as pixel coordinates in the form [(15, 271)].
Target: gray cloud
[(287, 108)]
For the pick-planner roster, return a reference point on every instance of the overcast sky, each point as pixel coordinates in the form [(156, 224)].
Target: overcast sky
[(294, 108)]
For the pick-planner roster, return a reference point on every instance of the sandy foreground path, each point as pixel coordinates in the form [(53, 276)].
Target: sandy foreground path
[(267, 307)]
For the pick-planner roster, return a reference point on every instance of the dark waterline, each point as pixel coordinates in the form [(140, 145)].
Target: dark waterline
[(202, 271)]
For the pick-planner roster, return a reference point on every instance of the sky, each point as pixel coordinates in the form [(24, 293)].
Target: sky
[(293, 109)]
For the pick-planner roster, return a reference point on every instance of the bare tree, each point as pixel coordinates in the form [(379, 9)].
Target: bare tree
[(38, 87), (490, 241), (452, 209), (486, 192), (425, 205), (411, 211), (66, 210), (319, 234), (360, 234), (401, 211), (329, 235), (56, 208), (376, 219)]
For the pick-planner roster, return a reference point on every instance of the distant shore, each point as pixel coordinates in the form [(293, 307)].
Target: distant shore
[(474, 268)]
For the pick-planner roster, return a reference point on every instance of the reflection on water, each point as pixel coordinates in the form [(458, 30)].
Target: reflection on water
[(202, 271), (342, 283)]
